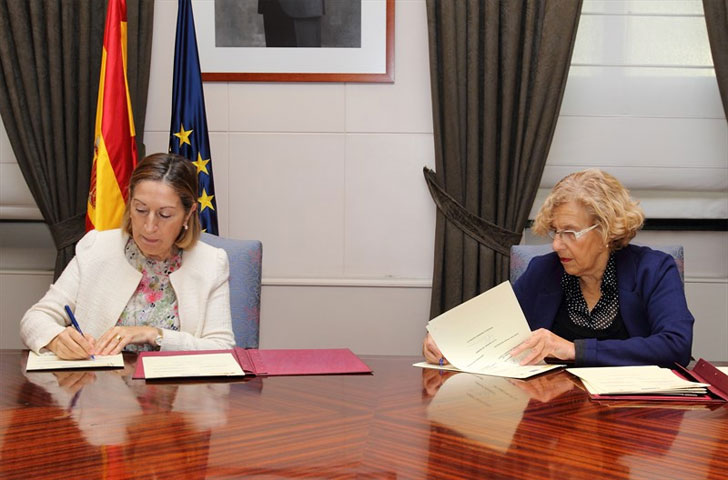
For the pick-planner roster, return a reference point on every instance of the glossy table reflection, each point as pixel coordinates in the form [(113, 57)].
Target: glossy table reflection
[(400, 422)]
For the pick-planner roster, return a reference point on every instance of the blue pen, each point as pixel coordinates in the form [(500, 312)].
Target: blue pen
[(75, 323), (442, 361)]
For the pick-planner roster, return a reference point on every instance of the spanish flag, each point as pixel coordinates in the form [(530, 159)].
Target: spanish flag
[(115, 154)]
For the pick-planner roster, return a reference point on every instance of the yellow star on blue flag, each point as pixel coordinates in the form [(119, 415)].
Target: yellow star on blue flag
[(183, 135), (205, 201), (201, 165)]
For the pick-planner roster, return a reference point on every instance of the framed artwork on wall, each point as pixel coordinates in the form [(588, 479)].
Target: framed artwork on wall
[(295, 40)]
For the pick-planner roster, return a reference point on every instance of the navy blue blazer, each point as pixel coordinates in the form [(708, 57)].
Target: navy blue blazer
[(651, 301)]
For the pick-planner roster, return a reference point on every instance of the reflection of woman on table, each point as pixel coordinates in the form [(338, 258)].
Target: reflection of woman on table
[(597, 300), (560, 433), (109, 415), (149, 285)]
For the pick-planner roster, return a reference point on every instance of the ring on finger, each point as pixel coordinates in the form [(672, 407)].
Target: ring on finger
[(118, 338)]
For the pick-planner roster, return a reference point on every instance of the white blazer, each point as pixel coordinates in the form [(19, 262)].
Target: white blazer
[(99, 281)]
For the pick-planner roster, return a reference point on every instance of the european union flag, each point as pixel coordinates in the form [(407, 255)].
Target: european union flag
[(188, 131)]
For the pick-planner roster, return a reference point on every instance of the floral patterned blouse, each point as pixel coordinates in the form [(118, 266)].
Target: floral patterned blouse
[(154, 302)]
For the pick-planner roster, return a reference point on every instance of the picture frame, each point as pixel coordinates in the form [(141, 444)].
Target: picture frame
[(372, 61)]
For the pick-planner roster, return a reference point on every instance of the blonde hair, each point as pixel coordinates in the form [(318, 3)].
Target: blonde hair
[(177, 172), (605, 199)]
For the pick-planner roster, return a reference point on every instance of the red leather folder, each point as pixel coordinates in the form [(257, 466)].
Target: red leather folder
[(703, 372), (325, 361)]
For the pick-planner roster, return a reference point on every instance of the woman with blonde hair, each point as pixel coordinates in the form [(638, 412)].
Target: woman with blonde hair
[(149, 285), (597, 299)]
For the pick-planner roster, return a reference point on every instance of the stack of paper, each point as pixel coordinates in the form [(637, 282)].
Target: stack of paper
[(638, 380)]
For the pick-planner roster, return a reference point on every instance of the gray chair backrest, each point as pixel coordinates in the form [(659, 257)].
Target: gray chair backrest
[(521, 255), (245, 258)]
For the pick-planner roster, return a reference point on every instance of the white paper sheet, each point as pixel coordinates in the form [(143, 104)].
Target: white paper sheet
[(506, 370), (202, 365), (478, 335), (49, 361)]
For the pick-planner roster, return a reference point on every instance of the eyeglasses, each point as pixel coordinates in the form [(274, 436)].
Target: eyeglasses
[(571, 235)]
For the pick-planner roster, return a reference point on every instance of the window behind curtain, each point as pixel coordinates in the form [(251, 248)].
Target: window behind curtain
[(642, 103)]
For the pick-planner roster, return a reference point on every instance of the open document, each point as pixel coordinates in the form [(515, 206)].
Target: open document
[(477, 336), (181, 366), (49, 361)]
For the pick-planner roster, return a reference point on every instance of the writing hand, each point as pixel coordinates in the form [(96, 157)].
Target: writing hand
[(431, 352), (543, 343), (71, 345)]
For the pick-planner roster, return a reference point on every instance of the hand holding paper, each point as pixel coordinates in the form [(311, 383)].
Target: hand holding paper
[(479, 335), (544, 343)]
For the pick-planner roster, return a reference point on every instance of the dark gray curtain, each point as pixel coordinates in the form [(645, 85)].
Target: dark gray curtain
[(716, 19), (498, 69), (50, 59), (140, 26)]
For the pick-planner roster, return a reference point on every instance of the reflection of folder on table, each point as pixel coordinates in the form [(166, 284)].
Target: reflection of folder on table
[(274, 362), (704, 373)]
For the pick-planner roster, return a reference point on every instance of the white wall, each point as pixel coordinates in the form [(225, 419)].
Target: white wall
[(329, 177)]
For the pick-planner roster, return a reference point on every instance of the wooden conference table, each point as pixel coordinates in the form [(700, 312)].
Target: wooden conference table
[(400, 422)]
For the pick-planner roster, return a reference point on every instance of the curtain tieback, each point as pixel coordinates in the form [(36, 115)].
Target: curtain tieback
[(484, 232), (69, 231)]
